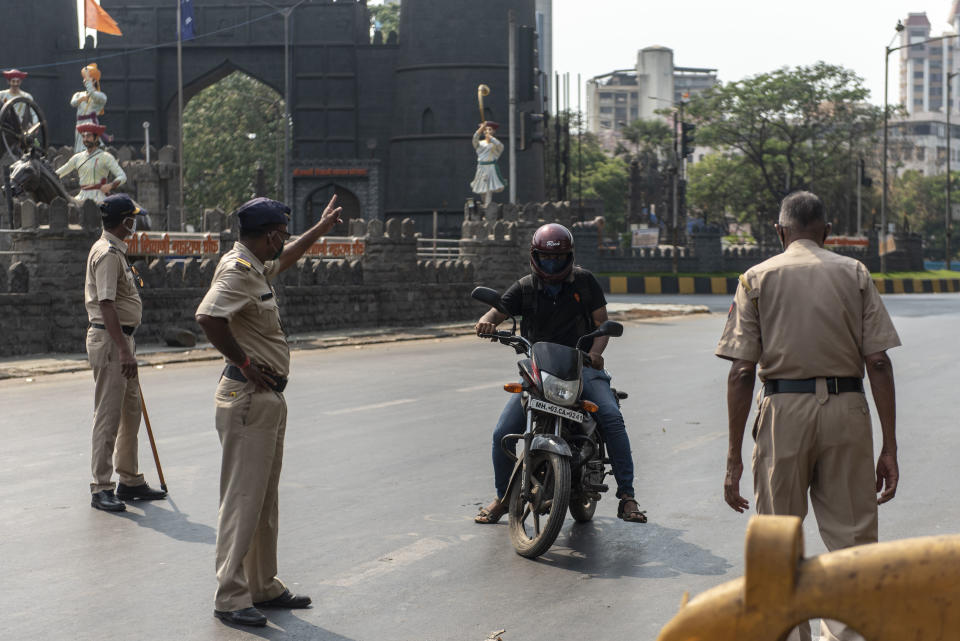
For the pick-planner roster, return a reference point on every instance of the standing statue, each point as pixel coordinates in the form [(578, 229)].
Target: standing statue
[(89, 102), (15, 79), (93, 165), (487, 179)]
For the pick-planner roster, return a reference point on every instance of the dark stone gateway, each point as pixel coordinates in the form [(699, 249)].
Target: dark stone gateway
[(385, 126)]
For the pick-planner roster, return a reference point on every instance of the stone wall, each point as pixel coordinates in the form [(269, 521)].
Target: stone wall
[(41, 275), (41, 284)]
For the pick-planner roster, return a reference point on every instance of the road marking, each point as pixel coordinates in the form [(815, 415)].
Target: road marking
[(706, 438), (477, 388), (375, 406), (389, 562)]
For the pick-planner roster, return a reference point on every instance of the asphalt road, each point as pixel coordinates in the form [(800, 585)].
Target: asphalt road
[(387, 460)]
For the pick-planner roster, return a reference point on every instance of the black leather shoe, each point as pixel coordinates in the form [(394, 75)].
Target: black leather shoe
[(246, 616), (143, 492), (107, 501), (286, 600)]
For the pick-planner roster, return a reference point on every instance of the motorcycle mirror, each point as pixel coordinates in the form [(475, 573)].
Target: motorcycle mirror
[(491, 297), (610, 328)]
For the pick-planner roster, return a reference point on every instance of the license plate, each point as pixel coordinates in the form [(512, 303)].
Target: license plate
[(556, 410)]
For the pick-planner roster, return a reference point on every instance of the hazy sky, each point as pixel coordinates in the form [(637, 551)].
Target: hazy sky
[(737, 37)]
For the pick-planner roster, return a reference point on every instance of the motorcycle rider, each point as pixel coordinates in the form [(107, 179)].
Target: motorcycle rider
[(560, 303)]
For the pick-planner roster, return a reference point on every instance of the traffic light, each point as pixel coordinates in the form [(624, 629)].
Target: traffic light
[(865, 180), (687, 131), (531, 129), (527, 64)]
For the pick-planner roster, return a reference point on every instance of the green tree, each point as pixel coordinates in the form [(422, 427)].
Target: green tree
[(799, 128), (722, 186), (922, 202), (646, 137), (594, 174), (228, 128), (387, 16)]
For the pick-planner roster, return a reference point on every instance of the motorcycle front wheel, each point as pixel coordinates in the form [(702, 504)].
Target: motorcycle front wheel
[(536, 521)]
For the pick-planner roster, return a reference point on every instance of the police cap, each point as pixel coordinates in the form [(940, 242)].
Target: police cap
[(261, 212), (118, 207)]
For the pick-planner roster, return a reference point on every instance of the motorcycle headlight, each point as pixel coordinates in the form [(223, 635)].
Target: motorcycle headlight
[(559, 391)]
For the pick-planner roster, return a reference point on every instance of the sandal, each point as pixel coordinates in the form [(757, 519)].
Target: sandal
[(630, 511), (492, 513)]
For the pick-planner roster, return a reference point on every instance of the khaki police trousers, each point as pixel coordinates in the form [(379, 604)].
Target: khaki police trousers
[(822, 444), (116, 414), (251, 427)]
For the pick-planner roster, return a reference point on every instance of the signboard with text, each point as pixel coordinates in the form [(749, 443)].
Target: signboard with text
[(186, 245), (645, 237)]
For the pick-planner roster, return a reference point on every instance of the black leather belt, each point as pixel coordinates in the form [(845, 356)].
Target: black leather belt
[(809, 386), (127, 329), (233, 373)]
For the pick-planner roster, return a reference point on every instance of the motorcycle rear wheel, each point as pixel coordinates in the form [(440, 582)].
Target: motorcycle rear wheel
[(582, 508), (530, 536)]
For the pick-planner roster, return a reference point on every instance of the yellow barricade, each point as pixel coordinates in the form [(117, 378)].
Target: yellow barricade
[(891, 591)]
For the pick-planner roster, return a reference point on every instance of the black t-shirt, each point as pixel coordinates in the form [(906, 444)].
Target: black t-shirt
[(555, 319)]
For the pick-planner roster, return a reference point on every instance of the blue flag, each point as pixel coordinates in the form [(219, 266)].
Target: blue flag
[(186, 18)]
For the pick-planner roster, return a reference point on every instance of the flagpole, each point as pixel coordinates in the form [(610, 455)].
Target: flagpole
[(183, 216)]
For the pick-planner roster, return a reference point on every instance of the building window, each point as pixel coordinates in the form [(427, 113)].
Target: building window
[(921, 153), (918, 74), (621, 98), (605, 95), (606, 110)]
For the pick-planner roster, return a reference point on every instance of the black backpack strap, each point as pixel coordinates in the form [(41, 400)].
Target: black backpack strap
[(528, 306), (584, 294)]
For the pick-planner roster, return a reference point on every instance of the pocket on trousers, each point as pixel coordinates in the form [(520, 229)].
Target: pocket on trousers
[(230, 392), (99, 346), (757, 422)]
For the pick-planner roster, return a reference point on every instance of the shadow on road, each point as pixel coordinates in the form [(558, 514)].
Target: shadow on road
[(173, 523), (283, 624), (608, 548)]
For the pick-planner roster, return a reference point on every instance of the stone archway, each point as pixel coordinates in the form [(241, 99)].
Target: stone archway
[(317, 199)]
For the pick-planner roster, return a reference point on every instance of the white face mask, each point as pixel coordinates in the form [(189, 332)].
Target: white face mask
[(131, 228)]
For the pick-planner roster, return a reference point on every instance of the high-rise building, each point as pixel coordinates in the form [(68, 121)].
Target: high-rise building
[(918, 140), (620, 97), (924, 69)]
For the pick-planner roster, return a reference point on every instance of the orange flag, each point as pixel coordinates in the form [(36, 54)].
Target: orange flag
[(95, 17)]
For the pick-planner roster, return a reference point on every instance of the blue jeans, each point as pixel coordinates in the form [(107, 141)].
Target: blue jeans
[(596, 388)]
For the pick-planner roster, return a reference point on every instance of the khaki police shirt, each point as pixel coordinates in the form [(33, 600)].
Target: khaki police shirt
[(807, 313), (241, 294), (109, 277)]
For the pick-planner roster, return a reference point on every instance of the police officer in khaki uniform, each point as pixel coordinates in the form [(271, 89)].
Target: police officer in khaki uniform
[(113, 310), (812, 319), (240, 317)]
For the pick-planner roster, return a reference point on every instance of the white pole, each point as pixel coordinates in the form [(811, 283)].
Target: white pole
[(183, 217), (146, 140), (434, 232), (512, 81)]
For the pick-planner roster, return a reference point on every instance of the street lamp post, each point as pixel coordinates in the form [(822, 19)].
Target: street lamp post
[(287, 182), (949, 213), (886, 74)]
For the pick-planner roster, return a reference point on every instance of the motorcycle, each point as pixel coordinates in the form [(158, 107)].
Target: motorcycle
[(562, 463)]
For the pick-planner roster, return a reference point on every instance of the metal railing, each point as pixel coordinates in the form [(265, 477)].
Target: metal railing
[(438, 248)]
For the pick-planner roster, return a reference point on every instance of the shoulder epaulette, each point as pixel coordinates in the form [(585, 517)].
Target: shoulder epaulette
[(113, 250), (244, 264)]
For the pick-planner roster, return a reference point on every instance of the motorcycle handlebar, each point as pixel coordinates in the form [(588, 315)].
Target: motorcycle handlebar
[(497, 334)]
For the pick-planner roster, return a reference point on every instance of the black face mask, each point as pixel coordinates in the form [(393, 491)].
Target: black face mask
[(279, 251)]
